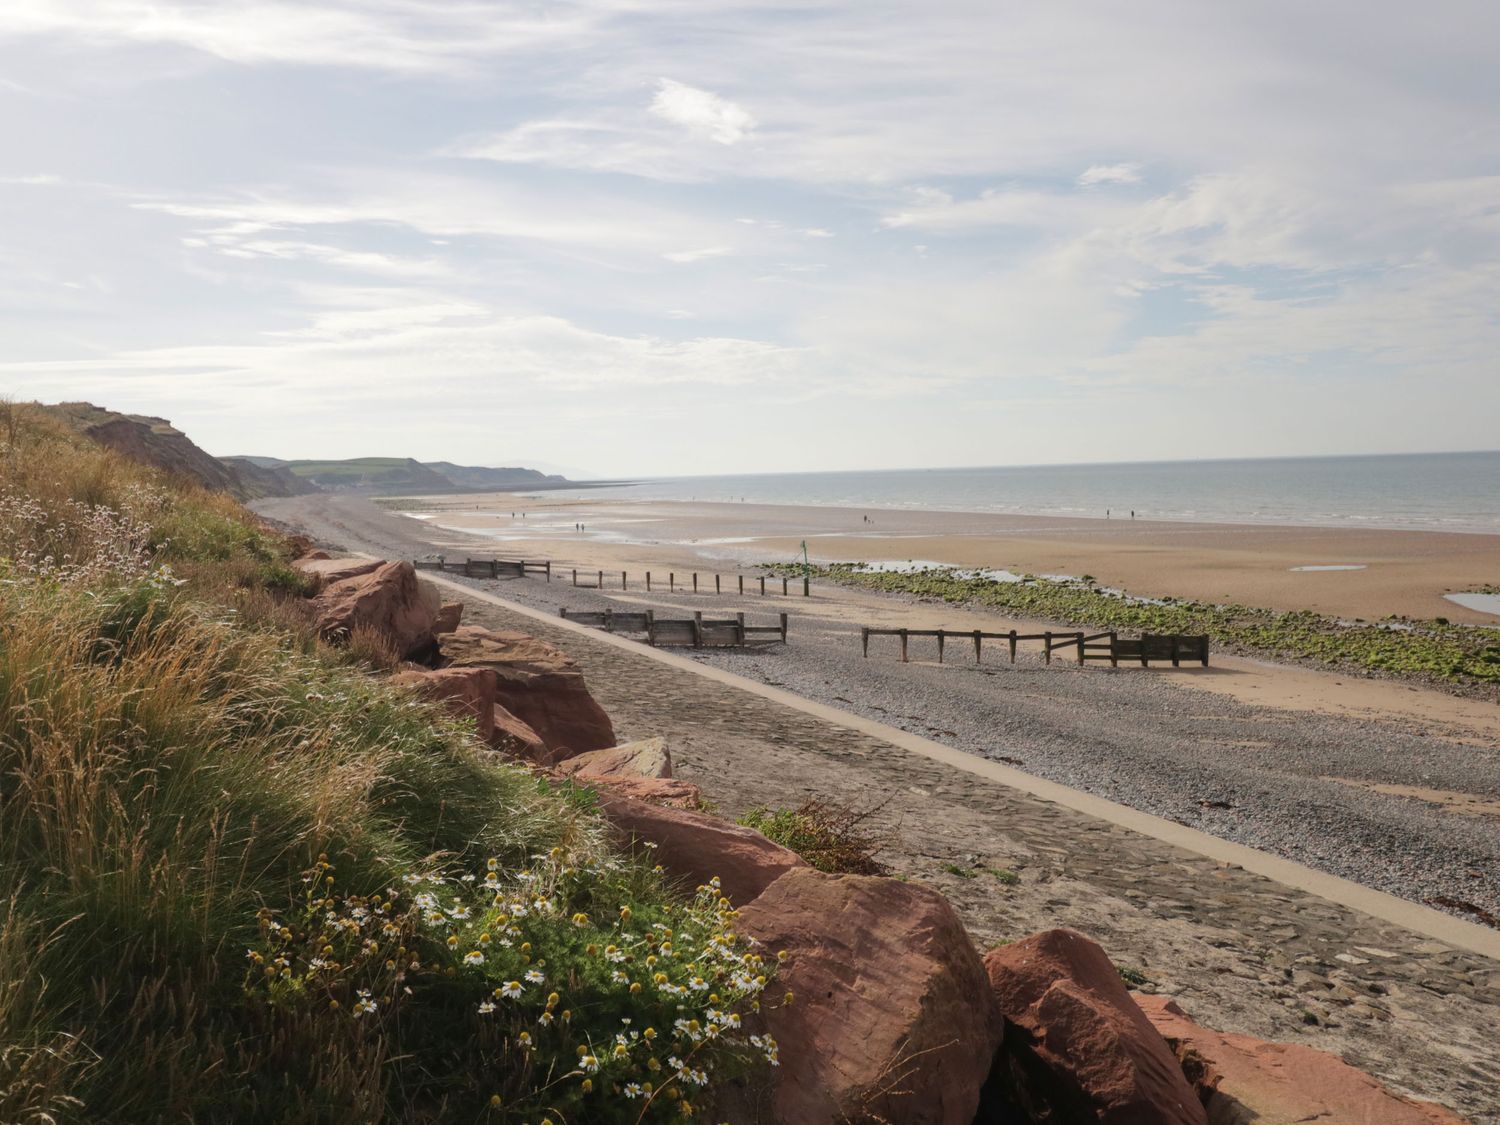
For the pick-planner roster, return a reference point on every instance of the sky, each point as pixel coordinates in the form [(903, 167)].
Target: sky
[(643, 237)]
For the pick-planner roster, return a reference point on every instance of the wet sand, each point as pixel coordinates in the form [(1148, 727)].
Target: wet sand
[(1405, 573)]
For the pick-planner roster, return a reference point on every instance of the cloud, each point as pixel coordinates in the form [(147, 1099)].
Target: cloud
[(1048, 211), (698, 255), (1110, 174), (701, 113), (443, 206), (439, 37), (368, 345)]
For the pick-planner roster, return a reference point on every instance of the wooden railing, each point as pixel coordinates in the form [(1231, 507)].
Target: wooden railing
[(1088, 646), (697, 631)]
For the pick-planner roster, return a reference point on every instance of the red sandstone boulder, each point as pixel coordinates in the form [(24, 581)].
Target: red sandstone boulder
[(892, 1018), (449, 617), (1076, 1042), (469, 692), (695, 848), (325, 571), (389, 599), (515, 738), (539, 684), (1243, 1080), (648, 757), (672, 792)]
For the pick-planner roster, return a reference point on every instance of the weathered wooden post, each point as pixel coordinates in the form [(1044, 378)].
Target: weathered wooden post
[(740, 620), (575, 576), (903, 646), (1012, 646), (648, 581), (742, 585), (494, 568), (762, 585), (697, 628), (864, 637), (977, 636), (1080, 648), (671, 582), (941, 639), (716, 584), (695, 581), (783, 628), (624, 581), (548, 564), (651, 628), (806, 586), (1114, 649), (1047, 642), (784, 581), (601, 581)]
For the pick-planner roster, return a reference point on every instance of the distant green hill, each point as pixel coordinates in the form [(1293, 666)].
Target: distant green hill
[(405, 474), (369, 472)]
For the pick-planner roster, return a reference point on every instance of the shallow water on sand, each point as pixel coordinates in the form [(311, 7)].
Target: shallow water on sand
[(1428, 491)]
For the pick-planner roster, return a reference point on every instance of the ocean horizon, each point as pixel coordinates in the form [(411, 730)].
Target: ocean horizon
[(1414, 491)]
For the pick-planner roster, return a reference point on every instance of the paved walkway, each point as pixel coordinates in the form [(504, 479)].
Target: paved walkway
[(1242, 952)]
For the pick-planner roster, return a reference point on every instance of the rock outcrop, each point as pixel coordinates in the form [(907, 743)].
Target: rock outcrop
[(539, 684), (513, 737), (1243, 1080), (450, 616), (892, 1017), (695, 848), (323, 570), (1076, 1043), (468, 692), (388, 599), (648, 757)]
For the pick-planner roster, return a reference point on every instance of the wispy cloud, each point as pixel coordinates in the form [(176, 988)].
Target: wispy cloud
[(1110, 174), (698, 255)]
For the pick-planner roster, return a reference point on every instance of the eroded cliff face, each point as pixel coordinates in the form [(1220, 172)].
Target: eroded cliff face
[(155, 441)]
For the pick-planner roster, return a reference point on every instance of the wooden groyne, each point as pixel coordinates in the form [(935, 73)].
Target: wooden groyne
[(486, 568), (688, 582), (1086, 646), (696, 631)]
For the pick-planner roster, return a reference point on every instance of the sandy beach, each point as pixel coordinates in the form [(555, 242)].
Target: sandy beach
[(1403, 573), (1391, 786)]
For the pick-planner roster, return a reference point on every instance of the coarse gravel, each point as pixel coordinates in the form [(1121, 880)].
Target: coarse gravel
[(1258, 776)]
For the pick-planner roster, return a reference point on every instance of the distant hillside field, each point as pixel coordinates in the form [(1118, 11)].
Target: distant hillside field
[(406, 474)]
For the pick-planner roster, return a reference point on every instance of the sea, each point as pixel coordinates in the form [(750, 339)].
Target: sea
[(1422, 491)]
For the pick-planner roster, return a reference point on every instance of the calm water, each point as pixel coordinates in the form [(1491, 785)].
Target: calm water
[(1431, 491)]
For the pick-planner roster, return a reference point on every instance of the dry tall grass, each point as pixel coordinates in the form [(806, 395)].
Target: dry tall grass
[(177, 751)]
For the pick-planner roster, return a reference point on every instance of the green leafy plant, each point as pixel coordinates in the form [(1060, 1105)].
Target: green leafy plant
[(1435, 651), (833, 837)]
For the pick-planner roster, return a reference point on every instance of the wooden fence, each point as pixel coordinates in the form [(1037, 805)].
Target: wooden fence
[(486, 568), (697, 631), (688, 582), (1095, 646)]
